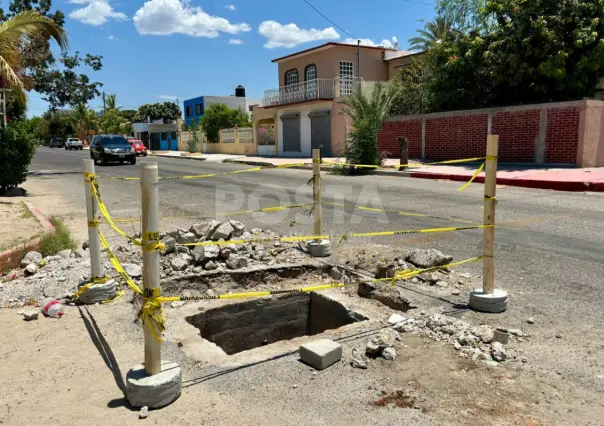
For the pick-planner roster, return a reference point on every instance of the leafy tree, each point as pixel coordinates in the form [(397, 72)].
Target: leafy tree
[(17, 148), (110, 102), (414, 92), (82, 121), (128, 114), (437, 31), (193, 143), (464, 15), (59, 125), (113, 123), (367, 113), (220, 116), (167, 111)]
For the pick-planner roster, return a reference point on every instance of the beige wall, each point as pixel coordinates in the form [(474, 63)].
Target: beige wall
[(590, 152), (340, 124), (396, 65), (231, 148), (373, 67)]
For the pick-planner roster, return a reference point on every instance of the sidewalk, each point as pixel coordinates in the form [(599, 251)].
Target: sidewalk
[(521, 175)]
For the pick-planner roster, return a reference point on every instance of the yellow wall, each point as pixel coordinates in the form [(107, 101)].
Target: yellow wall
[(231, 148)]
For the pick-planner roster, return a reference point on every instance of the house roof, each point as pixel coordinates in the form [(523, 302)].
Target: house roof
[(327, 46), (399, 54)]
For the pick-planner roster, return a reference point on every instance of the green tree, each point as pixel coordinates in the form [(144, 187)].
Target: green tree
[(113, 123), (435, 32), (167, 111), (128, 114), (82, 119), (464, 15), (17, 148), (367, 112), (110, 102), (220, 116)]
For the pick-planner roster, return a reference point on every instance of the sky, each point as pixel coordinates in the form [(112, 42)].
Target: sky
[(163, 50)]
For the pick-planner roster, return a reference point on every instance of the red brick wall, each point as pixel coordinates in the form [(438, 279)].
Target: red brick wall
[(562, 135), (388, 137), (464, 136), (517, 131)]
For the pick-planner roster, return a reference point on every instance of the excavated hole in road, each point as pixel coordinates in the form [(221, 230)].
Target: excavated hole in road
[(248, 325)]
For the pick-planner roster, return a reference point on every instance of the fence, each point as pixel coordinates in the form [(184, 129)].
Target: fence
[(488, 299)]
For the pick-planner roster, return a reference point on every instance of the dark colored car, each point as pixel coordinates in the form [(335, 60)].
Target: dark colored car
[(56, 143), (106, 148)]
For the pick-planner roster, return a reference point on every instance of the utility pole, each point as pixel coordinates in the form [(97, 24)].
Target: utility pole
[(103, 103), (359, 59)]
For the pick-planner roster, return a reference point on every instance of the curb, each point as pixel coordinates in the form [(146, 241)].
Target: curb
[(200, 158), (43, 220)]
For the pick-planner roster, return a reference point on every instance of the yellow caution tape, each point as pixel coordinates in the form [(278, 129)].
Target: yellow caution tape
[(117, 266), (270, 209), (476, 173), (373, 166), (93, 223)]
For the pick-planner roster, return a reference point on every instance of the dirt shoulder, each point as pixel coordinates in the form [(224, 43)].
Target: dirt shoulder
[(17, 223)]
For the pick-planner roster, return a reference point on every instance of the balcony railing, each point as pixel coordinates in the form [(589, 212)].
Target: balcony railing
[(320, 88)]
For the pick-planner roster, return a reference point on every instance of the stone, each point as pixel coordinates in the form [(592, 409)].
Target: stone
[(31, 257), (182, 249), (336, 273), (185, 237), (154, 391), (531, 320), (79, 254), (236, 262), (169, 243), (222, 232), (172, 232), (52, 258), (53, 291), (494, 303), (210, 265), (65, 254), (177, 304), (319, 249), (180, 262), (132, 269), (457, 346), (558, 336), (238, 228), (389, 353), (483, 332), (434, 278), (442, 284), (85, 245), (227, 250), (384, 339), (204, 253), (455, 292), (358, 360), (256, 231), (143, 413), (465, 276), (386, 294), (498, 352), (428, 258), (30, 315), (396, 319), (320, 354), (31, 269)]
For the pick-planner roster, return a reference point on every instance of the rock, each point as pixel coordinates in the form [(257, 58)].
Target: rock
[(515, 332), (182, 249), (256, 231), (135, 271), (358, 360), (336, 273), (205, 230), (53, 291), (558, 336), (31, 257), (455, 292), (227, 250), (222, 232), (185, 237), (457, 346), (210, 265), (483, 332), (143, 413), (384, 339), (236, 262), (531, 320), (199, 230), (434, 278), (465, 276), (180, 262), (85, 245), (197, 269), (389, 354), (498, 352), (386, 294), (204, 253), (172, 232), (65, 254), (30, 315), (31, 269), (428, 258), (396, 319), (52, 258), (238, 228), (79, 254), (177, 304), (381, 270), (169, 242), (442, 284)]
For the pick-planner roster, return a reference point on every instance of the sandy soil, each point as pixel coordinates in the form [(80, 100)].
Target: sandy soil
[(17, 226)]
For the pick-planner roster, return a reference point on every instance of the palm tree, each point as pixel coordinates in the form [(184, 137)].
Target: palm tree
[(437, 31), (367, 112), (110, 102), (82, 118), (15, 33)]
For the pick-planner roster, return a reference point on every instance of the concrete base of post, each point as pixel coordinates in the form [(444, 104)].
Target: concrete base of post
[(492, 303), (154, 391), (319, 248)]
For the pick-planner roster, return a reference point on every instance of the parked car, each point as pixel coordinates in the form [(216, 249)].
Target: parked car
[(106, 148), (74, 143), (55, 143), (139, 147)]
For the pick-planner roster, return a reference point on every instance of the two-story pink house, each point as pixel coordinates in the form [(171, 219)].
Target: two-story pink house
[(303, 113)]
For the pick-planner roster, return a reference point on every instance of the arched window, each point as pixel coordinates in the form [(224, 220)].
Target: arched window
[(291, 77), (310, 73)]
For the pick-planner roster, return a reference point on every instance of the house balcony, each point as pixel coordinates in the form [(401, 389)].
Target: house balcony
[(319, 89)]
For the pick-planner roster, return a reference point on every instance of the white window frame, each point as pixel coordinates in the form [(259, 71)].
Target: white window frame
[(346, 78), (291, 77)]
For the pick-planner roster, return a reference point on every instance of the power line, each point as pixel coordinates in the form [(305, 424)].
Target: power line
[(333, 23)]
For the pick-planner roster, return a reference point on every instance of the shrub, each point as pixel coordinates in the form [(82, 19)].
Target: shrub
[(51, 244), (193, 143), (17, 148)]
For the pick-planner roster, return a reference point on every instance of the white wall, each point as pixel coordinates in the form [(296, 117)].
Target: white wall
[(303, 110)]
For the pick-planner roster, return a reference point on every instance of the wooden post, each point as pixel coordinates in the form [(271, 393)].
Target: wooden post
[(94, 243), (488, 239), (236, 134), (150, 230), (316, 178)]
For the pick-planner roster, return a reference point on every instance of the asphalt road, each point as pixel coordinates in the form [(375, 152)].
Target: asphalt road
[(549, 245)]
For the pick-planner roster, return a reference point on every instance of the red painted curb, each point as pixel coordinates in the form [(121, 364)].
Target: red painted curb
[(571, 186)]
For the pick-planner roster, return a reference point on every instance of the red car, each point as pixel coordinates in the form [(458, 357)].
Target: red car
[(138, 146)]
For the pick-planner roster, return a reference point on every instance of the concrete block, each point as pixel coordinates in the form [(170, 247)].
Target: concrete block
[(154, 391), (321, 354), (491, 303), (319, 248)]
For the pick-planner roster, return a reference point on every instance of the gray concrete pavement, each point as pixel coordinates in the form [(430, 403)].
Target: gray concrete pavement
[(549, 245)]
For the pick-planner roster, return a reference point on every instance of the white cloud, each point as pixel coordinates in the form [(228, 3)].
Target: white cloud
[(111, 37), (368, 42), (291, 35), (167, 97), (235, 41), (230, 7), (96, 12), (163, 17)]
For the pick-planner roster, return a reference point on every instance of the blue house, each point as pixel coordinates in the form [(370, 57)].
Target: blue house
[(195, 107)]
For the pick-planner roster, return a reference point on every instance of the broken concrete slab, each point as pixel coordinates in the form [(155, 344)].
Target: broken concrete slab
[(386, 294), (320, 354)]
